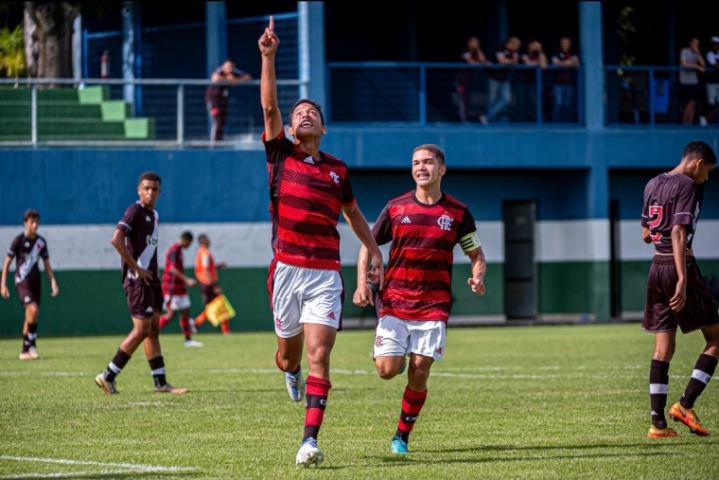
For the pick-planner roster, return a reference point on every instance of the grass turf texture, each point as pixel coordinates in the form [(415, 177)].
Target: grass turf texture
[(540, 402)]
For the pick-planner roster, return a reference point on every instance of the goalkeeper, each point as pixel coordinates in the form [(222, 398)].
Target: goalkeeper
[(206, 275)]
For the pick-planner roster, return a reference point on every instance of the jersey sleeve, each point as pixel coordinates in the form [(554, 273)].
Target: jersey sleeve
[(44, 253), (276, 149), (468, 225), (645, 208), (686, 200), (382, 229), (348, 196), (128, 220), (14, 249), (467, 233)]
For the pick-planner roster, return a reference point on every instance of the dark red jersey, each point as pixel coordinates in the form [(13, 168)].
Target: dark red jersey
[(171, 283), (141, 226), (306, 197), (417, 283), (671, 199)]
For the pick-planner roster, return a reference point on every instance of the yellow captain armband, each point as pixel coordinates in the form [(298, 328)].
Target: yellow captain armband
[(470, 242)]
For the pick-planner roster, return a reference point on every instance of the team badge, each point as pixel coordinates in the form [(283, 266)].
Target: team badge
[(335, 178), (445, 222), (378, 341)]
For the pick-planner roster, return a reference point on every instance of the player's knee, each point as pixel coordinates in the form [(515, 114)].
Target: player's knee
[(664, 354), (319, 355), (385, 370), (31, 309)]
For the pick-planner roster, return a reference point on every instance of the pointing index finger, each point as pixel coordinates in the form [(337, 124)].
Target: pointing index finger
[(272, 23)]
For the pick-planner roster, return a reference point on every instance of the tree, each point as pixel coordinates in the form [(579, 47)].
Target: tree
[(48, 38), (12, 57)]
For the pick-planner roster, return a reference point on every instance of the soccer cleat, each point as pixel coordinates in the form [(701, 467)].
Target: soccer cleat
[(25, 356), (689, 418), (167, 388), (107, 387), (295, 385), (655, 432), (399, 446), (33, 353), (193, 344), (309, 454)]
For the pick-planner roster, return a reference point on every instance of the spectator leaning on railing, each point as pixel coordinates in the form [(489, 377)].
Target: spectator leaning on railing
[(500, 89), (465, 98), (692, 65), (217, 96), (712, 79), (565, 81)]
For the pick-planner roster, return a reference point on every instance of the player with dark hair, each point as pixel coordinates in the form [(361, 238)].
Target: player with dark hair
[(677, 295), (27, 249), (308, 191), (135, 238), (209, 280), (423, 225), (174, 288)]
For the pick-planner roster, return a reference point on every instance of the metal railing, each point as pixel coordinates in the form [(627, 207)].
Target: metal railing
[(432, 93), (39, 112), (653, 95)]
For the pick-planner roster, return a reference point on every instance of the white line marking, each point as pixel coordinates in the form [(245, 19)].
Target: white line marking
[(65, 475), (128, 466), (44, 374)]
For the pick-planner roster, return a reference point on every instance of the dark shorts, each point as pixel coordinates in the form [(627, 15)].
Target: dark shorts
[(143, 301), (27, 293), (691, 92), (700, 309), (208, 292)]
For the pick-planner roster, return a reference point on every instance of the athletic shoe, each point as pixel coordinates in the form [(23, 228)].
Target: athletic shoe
[(193, 327), (309, 454), (689, 418), (167, 388), (108, 387), (193, 344), (655, 432), (25, 356), (33, 353), (295, 385), (399, 446)]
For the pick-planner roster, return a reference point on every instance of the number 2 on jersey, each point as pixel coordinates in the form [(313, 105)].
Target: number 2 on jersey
[(656, 214)]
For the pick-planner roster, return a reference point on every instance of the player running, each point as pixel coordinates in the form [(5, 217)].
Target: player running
[(676, 292), (174, 288), (135, 238), (209, 280), (308, 190), (27, 249), (423, 225)]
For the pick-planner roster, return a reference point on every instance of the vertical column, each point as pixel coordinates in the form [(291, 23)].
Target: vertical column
[(591, 55), (311, 32), (131, 55), (502, 21), (215, 35)]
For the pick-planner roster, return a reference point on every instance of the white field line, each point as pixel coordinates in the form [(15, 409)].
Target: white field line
[(64, 475), (134, 467)]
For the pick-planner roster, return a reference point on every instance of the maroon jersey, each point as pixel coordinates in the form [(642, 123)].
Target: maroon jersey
[(417, 281), (306, 197), (27, 252), (671, 199), (141, 227), (171, 283)]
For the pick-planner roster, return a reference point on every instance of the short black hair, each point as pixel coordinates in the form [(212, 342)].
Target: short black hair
[(202, 238), (431, 147), (152, 176), (311, 102), (699, 149), (30, 213), (186, 235)]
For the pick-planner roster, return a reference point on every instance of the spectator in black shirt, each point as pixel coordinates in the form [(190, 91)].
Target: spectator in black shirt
[(565, 81), (217, 96)]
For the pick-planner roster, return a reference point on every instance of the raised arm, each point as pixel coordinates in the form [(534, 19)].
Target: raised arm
[(3, 280), (54, 288), (268, 44)]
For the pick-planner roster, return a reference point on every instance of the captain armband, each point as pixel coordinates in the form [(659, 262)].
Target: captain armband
[(470, 242)]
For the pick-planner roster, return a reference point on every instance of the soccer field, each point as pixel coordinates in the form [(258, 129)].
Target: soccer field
[(540, 402)]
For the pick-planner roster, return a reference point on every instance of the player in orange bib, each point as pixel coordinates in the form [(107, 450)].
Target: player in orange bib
[(206, 275)]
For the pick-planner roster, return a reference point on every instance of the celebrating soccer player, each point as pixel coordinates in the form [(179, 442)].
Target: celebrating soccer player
[(423, 225), (677, 295), (135, 238), (308, 190), (27, 249)]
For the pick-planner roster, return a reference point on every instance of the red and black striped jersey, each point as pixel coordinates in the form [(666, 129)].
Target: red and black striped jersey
[(306, 197), (418, 277), (171, 283)]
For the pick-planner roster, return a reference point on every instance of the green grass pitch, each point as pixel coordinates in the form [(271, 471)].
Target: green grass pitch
[(541, 402)]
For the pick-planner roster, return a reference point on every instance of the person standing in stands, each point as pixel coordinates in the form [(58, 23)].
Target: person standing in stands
[(692, 64), (217, 96), (565, 81)]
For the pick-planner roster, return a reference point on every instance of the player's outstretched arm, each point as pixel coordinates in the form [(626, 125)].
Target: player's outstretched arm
[(359, 226), (479, 269), (54, 288), (268, 43), (118, 241), (3, 280)]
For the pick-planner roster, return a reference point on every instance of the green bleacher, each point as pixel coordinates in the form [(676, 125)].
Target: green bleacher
[(70, 114)]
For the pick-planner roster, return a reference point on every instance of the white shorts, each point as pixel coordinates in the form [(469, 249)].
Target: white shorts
[(177, 302), (305, 295), (396, 338)]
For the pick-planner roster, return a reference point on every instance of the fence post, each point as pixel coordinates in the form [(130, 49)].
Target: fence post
[(651, 96), (180, 114), (422, 95), (33, 115), (539, 88)]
